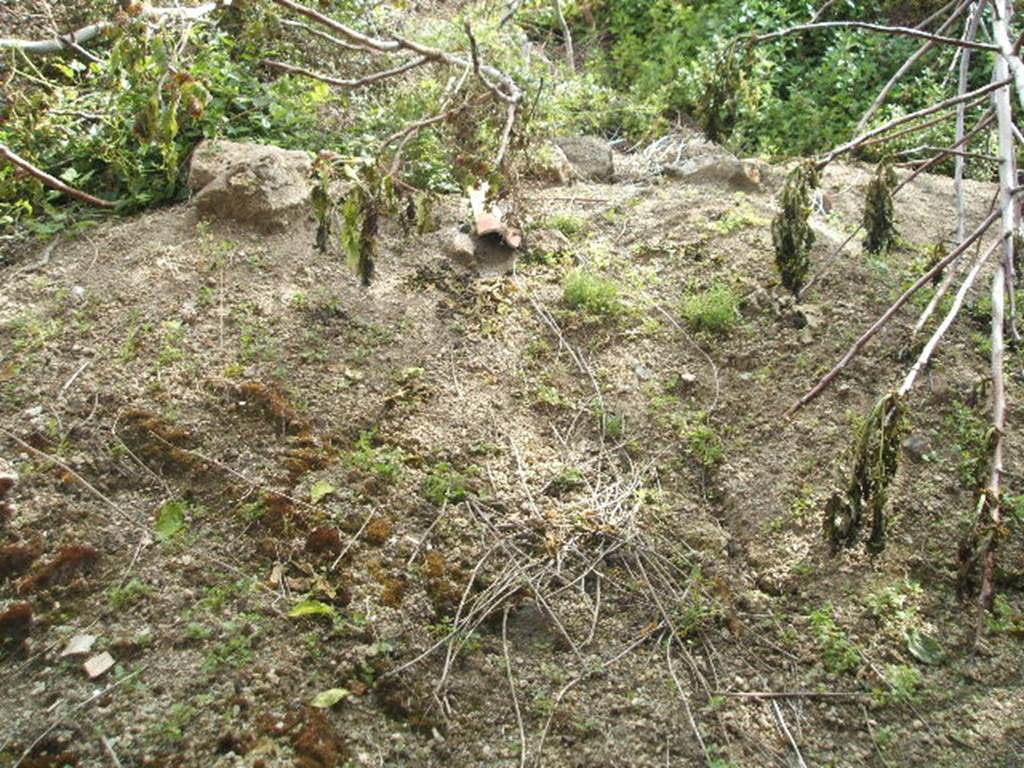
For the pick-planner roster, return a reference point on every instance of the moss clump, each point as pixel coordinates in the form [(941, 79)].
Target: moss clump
[(876, 458), (592, 294), (879, 211), (378, 531), (792, 235), (714, 310)]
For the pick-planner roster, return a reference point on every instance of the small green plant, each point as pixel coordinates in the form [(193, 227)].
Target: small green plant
[(132, 592), (386, 463), (445, 484), (705, 444), (713, 310), (971, 435), (896, 605), (592, 294), (567, 481), (234, 651), (1005, 619), (838, 653), (879, 210), (903, 685), (791, 233), (550, 396), (172, 728), (569, 225)]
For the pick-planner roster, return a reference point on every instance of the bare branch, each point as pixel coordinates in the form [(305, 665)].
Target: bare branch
[(947, 321), (919, 54), (506, 84), (362, 82), (879, 324), (900, 31), (992, 505), (51, 181), (322, 35), (958, 172), (946, 104), (73, 40), (570, 54)]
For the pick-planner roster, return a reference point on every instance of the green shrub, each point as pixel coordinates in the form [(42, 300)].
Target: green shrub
[(713, 310), (592, 294), (838, 654)]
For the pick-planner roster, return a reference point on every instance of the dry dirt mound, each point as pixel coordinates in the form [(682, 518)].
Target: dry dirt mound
[(488, 516)]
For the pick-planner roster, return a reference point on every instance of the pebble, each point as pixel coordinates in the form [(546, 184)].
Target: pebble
[(79, 645), (98, 665)]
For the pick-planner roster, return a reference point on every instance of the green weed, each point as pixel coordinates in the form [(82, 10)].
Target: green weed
[(592, 294), (713, 310)]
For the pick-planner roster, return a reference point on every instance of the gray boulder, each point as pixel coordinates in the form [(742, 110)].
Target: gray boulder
[(262, 186), (717, 169), (591, 158)]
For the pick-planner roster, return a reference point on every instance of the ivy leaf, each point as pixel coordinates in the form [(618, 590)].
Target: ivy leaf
[(924, 647), (311, 608), (320, 489), (330, 697), (170, 521)]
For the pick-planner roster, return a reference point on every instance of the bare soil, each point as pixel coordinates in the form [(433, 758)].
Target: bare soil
[(535, 536)]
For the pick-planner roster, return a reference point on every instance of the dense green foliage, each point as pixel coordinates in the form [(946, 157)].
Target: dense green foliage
[(123, 128), (797, 95)]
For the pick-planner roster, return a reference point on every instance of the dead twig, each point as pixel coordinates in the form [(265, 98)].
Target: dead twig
[(512, 687)]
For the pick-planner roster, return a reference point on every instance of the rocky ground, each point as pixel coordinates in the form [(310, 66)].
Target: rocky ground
[(264, 516)]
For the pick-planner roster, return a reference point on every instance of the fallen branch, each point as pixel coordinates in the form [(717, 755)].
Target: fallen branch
[(919, 54), (73, 40), (51, 181), (954, 310), (946, 104), (361, 82), (881, 322)]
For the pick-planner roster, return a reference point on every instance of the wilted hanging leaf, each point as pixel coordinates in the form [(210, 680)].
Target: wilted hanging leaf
[(170, 520), (924, 647), (311, 608), (320, 489), (330, 697)]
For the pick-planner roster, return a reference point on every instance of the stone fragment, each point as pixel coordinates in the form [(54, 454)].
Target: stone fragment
[(79, 645), (98, 665)]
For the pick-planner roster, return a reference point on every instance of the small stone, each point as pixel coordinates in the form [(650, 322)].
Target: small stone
[(460, 247), (78, 293), (79, 645), (98, 665), (642, 372), (917, 447)]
